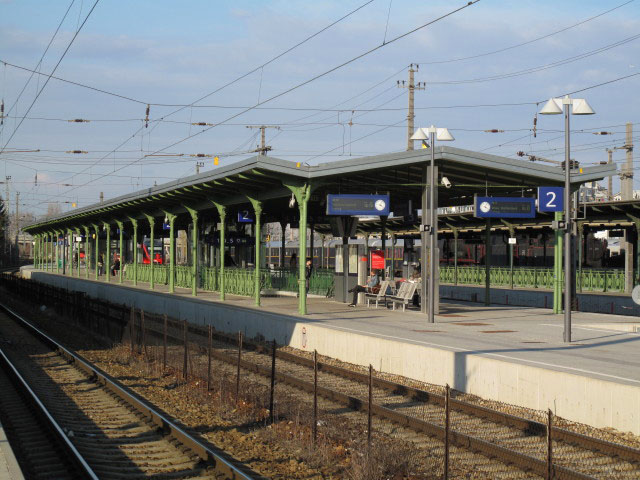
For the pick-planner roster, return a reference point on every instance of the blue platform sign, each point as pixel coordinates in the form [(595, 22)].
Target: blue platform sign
[(505, 207), (550, 199), (244, 216), (349, 204)]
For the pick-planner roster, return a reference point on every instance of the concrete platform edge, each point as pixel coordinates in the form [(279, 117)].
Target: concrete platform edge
[(580, 398)]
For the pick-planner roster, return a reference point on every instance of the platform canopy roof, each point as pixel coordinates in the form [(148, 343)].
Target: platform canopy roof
[(268, 179)]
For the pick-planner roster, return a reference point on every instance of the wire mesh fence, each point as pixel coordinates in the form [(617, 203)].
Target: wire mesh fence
[(323, 417)]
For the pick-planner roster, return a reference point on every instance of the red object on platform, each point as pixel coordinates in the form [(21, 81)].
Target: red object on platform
[(377, 259)]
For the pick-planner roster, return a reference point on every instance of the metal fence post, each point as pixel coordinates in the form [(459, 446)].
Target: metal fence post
[(238, 371), (446, 432), (143, 333), (132, 319), (209, 361), (369, 406), (184, 365), (273, 379), (549, 446), (315, 396), (164, 353)]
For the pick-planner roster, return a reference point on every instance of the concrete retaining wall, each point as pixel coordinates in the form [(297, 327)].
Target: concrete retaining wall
[(612, 303), (575, 397)]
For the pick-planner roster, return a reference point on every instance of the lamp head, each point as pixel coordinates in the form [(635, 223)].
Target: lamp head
[(419, 134), (443, 135), (552, 107), (581, 107)]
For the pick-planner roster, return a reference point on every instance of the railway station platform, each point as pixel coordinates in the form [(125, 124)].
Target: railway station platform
[(505, 353), (9, 468)]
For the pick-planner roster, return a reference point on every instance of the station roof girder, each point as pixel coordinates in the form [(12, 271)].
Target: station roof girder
[(399, 174)]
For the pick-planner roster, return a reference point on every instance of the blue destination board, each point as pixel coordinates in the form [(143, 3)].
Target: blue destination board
[(505, 207), (550, 199), (357, 204)]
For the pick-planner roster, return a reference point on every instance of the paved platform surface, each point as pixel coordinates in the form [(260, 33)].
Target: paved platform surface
[(604, 346), (9, 468)]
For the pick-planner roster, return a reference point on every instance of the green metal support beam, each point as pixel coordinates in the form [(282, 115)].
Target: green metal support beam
[(194, 249), (302, 192), (96, 229), (222, 211), (134, 223), (57, 249), (107, 257), (78, 233), (171, 218), (257, 208), (86, 251), (152, 223), (70, 236), (121, 247), (636, 222)]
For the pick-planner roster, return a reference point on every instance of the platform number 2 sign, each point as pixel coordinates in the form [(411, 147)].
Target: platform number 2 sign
[(550, 199), (244, 217)]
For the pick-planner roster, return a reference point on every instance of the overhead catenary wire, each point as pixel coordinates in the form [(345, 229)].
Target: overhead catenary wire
[(528, 42), (15, 130), (33, 72), (306, 82)]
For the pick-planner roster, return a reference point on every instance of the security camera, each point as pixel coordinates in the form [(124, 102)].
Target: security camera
[(446, 182)]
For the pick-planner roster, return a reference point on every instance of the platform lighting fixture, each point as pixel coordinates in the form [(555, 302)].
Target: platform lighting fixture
[(442, 134), (556, 106)]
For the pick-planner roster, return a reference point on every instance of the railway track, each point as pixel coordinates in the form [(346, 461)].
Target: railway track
[(115, 434), (41, 447), (512, 440)]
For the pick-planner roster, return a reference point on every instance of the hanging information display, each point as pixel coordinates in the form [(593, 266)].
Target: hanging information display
[(505, 207), (357, 204)]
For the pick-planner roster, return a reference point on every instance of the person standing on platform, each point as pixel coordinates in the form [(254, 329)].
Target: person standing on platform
[(307, 273), (373, 282), (100, 264)]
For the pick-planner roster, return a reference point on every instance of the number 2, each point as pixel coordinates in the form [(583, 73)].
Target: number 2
[(551, 203)]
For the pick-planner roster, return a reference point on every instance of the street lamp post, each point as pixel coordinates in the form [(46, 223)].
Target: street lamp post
[(443, 135), (556, 106)]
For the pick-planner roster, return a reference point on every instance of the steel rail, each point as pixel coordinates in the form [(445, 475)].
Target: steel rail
[(526, 425), (74, 457), (217, 458), (462, 440)]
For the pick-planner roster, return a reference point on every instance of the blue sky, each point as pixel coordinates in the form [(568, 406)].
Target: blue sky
[(176, 52)]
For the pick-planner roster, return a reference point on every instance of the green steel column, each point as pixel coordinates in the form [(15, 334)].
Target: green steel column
[(57, 251), (134, 223), (222, 211), (97, 252), (172, 252), (86, 252), (302, 193), (107, 257), (70, 235), (557, 268), (580, 233), (50, 250), (36, 252), (78, 250), (121, 249), (257, 208), (487, 263), (194, 250), (152, 223)]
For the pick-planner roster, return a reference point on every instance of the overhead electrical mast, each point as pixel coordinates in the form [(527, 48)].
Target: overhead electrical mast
[(263, 148), (411, 86)]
